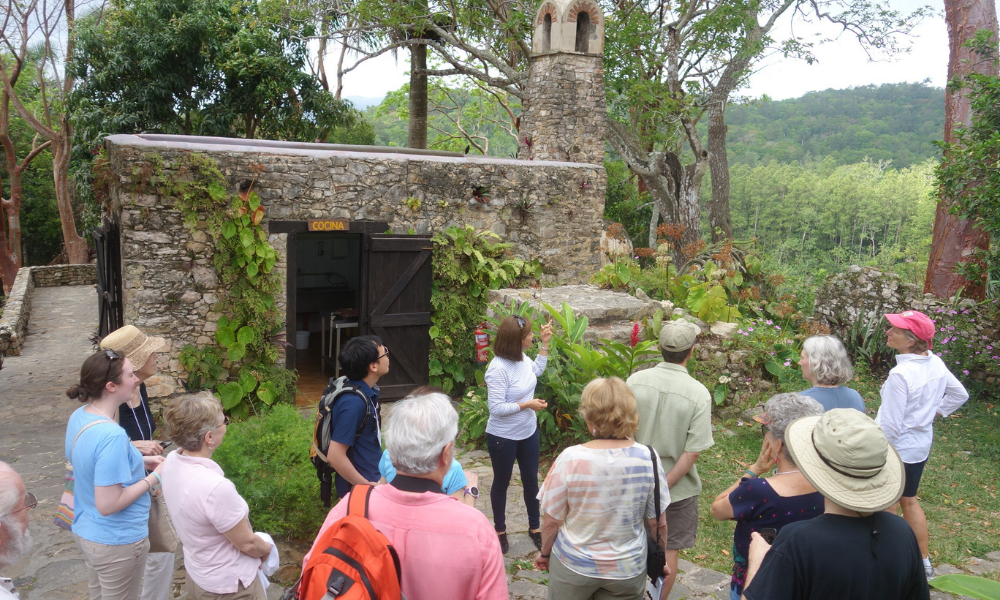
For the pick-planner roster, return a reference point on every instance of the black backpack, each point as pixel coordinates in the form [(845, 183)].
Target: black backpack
[(323, 428)]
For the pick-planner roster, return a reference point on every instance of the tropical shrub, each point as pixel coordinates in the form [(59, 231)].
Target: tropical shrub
[(267, 458)]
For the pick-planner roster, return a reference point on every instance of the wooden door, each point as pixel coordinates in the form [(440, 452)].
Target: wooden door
[(397, 307)]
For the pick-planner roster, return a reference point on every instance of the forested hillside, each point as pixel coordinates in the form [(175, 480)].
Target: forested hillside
[(897, 122)]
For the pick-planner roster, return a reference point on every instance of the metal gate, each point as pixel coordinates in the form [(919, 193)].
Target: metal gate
[(107, 243)]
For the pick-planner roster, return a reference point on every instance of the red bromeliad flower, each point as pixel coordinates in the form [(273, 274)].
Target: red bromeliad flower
[(635, 334)]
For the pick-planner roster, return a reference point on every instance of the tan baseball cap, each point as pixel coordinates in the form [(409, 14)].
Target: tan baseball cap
[(677, 336)]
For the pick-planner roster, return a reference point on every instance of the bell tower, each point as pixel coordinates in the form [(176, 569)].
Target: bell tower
[(563, 117)]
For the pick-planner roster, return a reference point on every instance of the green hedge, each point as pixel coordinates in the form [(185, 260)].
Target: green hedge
[(267, 458)]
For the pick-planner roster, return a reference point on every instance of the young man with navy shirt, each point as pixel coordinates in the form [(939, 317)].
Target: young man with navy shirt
[(355, 454)]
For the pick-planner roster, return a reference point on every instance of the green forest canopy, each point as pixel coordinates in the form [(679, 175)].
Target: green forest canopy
[(896, 122)]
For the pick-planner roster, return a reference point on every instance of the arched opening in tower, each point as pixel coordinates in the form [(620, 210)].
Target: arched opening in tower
[(547, 33), (583, 32)]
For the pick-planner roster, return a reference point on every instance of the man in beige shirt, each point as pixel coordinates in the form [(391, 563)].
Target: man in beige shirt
[(675, 418)]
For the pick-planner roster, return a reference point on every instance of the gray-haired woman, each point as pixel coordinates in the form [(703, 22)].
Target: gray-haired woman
[(826, 365), (766, 505)]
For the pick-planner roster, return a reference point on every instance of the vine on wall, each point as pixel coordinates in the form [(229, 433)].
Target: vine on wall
[(467, 264), (249, 329)]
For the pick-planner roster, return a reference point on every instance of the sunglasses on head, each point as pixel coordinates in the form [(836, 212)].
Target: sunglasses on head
[(112, 357), (520, 321)]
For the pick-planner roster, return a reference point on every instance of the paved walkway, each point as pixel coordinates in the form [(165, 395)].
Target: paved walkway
[(35, 409)]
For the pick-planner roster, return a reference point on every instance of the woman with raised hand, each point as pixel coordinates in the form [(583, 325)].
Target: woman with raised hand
[(137, 420), (221, 552), (766, 504), (826, 365), (597, 500), (111, 489), (918, 387), (512, 428)]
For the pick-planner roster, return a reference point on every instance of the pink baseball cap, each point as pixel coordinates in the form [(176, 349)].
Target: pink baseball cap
[(917, 322)]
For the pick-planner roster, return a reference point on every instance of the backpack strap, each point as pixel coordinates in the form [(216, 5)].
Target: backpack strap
[(358, 503)]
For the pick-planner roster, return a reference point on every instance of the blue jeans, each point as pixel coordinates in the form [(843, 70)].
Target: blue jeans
[(503, 453)]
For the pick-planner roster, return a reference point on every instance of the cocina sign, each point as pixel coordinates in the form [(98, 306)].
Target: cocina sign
[(328, 224)]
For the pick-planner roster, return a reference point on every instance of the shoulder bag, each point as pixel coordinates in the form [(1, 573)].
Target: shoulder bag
[(656, 558)]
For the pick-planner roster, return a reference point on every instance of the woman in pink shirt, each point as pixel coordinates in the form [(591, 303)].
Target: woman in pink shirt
[(221, 551)]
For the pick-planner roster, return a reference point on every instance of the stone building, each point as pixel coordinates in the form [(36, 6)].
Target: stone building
[(548, 204)]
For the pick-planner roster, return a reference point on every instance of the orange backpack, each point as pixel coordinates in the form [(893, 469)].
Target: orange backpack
[(352, 560)]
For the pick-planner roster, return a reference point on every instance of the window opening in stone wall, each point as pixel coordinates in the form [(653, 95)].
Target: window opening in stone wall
[(583, 32), (328, 283), (547, 33)]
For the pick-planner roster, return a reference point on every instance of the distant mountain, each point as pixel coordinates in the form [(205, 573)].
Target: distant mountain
[(363, 102), (897, 122)]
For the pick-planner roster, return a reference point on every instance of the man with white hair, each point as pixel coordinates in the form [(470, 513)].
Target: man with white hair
[(446, 549), (15, 539)]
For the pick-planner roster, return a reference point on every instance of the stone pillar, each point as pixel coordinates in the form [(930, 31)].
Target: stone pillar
[(564, 117)]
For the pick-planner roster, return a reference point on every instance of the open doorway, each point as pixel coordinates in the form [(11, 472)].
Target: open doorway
[(355, 280), (328, 285)]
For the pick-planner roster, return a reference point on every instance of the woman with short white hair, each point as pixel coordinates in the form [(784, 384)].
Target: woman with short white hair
[(826, 365)]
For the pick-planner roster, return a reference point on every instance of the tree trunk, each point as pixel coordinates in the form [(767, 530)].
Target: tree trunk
[(719, 218), (417, 134), (76, 246), (954, 239)]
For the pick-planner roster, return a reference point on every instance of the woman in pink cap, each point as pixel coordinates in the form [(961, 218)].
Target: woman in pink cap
[(918, 387)]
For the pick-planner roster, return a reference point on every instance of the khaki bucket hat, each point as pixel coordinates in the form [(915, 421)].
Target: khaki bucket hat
[(134, 344), (844, 455)]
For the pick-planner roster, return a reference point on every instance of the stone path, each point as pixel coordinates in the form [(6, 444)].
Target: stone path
[(35, 409)]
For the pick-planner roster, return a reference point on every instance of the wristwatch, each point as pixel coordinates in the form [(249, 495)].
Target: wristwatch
[(472, 491)]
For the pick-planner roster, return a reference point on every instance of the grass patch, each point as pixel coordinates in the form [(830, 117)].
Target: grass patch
[(958, 491)]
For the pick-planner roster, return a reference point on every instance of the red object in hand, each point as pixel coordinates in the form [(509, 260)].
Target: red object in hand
[(482, 345)]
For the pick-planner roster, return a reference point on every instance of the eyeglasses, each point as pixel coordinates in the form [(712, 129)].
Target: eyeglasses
[(763, 429), (520, 321), (225, 421), (384, 354), (112, 357), (29, 502)]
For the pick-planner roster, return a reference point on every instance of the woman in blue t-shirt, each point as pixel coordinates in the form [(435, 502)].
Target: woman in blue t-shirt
[(758, 504), (111, 488), (826, 365)]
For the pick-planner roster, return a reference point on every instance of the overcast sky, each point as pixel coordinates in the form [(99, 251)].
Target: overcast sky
[(841, 63)]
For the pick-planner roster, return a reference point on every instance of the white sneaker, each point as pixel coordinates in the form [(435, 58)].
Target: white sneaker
[(929, 571)]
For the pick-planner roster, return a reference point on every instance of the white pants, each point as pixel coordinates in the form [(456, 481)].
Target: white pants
[(158, 576)]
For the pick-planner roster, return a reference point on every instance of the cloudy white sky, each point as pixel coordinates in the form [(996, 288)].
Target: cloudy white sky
[(841, 63)]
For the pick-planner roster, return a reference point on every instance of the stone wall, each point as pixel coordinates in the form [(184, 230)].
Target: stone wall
[(17, 310), (14, 323), (866, 293), (169, 283), (56, 275), (563, 115)]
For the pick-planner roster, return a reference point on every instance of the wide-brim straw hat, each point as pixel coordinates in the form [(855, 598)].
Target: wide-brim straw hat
[(846, 457), (134, 344)]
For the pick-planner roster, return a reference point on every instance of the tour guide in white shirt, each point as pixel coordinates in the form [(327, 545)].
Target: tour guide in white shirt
[(919, 386)]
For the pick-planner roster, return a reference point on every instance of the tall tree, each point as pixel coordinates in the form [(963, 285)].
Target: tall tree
[(957, 239), (47, 23), (13, 138)]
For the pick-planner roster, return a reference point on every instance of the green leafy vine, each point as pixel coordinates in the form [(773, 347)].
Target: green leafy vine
[(467, 264), (249, 327)]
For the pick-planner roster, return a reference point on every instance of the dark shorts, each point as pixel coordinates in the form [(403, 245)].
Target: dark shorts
[(913, 471), (682, 523)]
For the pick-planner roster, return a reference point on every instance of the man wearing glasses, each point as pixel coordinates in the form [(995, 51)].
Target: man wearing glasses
[(356, 439), (15, 539)]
